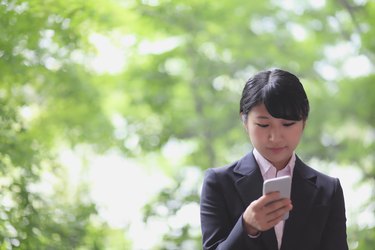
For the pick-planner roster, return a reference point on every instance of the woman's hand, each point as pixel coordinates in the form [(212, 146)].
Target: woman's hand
[(265, 212)]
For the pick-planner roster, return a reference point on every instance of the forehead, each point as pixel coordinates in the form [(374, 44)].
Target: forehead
[(260, 111)]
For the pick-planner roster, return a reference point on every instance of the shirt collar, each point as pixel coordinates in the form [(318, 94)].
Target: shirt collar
[(269, 171)]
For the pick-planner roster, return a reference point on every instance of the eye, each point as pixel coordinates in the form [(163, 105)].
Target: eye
[(262, 125), (288, 124)]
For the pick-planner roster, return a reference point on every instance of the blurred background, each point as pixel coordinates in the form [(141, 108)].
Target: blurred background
[(111, 110)]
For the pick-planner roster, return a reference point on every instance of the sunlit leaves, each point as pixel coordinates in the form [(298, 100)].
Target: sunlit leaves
[(177, 85), (222, 44), (46, 101)]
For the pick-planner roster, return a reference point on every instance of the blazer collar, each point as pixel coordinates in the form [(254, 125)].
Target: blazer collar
[(249, 183), (247, 165)]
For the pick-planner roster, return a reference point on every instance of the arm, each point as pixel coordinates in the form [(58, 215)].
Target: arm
[(334, 235)]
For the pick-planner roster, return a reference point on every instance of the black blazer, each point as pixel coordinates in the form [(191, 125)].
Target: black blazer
[(316, 222)]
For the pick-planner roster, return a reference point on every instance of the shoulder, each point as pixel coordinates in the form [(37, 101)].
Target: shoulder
[(319, 179), (243, 166), (220, 173)]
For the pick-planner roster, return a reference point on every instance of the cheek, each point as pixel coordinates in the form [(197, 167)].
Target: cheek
[(256, 135), (295, 135)]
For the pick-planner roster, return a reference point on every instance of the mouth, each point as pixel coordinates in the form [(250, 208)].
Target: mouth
[(276, 150)]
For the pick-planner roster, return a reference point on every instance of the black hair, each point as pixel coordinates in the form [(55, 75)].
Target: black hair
[(280, 91)]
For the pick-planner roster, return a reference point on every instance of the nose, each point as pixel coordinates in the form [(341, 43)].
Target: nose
[(274, 135)]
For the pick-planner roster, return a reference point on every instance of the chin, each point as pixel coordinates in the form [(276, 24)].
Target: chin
[(276, 160)]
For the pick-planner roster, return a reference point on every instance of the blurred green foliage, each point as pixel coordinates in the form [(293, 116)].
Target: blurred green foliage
[(48, 100), (185, 65)]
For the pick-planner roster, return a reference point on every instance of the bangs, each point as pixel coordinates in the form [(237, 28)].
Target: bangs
[(285, 103)]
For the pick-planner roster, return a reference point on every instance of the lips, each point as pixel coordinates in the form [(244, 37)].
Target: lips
[(276, 150)]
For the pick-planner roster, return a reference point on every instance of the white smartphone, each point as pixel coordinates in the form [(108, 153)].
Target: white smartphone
[(279, 184)]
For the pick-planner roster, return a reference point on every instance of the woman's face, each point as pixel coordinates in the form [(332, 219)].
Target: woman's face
[(274, 138)]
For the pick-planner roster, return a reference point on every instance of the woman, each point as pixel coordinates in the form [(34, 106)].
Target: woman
[(234, 213)]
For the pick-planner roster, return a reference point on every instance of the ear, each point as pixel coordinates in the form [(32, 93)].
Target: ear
[(244, 121), (243, 118)]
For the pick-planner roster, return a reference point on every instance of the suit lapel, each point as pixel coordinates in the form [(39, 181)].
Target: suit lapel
[(303, 195), (250, 182), (249, 186)]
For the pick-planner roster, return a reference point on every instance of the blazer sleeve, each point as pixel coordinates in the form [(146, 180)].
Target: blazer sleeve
[(219, 231), (334, 235)]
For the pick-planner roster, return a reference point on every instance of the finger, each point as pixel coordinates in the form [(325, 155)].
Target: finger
[(271, 223), (278, 214), (267, 198), (275, 205)]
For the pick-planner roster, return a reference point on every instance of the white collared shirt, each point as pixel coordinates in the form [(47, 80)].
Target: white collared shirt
[(269, 171)]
